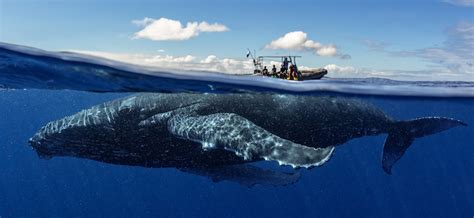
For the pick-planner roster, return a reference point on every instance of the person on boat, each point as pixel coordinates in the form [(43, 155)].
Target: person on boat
[(265, 71), (283, 74), (285, 64), (292, 71), (297, 73), (274, 71)]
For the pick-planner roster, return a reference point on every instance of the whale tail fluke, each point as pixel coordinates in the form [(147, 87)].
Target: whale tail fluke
[(401, 136)]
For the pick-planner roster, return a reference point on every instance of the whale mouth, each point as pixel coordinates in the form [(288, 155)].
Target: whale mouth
[(40, 147)]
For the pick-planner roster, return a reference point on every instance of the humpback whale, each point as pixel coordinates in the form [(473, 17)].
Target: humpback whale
[(214, 134)]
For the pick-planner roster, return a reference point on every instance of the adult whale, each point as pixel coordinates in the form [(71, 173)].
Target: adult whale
[(194, 132)]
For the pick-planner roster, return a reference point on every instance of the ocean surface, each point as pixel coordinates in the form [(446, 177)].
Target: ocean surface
[(434, 178)]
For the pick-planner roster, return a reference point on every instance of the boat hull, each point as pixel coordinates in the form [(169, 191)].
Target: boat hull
[(313, 74)]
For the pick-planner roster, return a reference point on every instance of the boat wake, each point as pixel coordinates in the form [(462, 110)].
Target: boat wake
[(30, 68)]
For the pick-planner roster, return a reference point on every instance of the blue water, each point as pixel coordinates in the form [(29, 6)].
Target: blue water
[(433, 179)]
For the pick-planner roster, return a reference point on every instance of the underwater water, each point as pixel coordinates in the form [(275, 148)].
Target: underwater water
[(433, 179)]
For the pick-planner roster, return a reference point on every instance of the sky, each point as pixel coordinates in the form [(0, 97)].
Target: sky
[(405, 40)]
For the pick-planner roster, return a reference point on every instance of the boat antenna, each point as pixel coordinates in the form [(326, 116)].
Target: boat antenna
[(250, 53)]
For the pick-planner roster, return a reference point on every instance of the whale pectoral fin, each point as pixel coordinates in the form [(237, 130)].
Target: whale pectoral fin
[(235, 133), (300, 156), (246, 174)]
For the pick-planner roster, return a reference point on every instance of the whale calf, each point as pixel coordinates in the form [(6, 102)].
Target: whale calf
[(204, 133)]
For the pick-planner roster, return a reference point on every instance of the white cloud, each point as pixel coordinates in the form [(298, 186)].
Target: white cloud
[(299, 41), (455, 56), (215, 27), (167, 29), (327, 51), (170, 59), (146, 21), (209, 59), (336, 71), (244, 66), (186, 62), (465, 3)]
